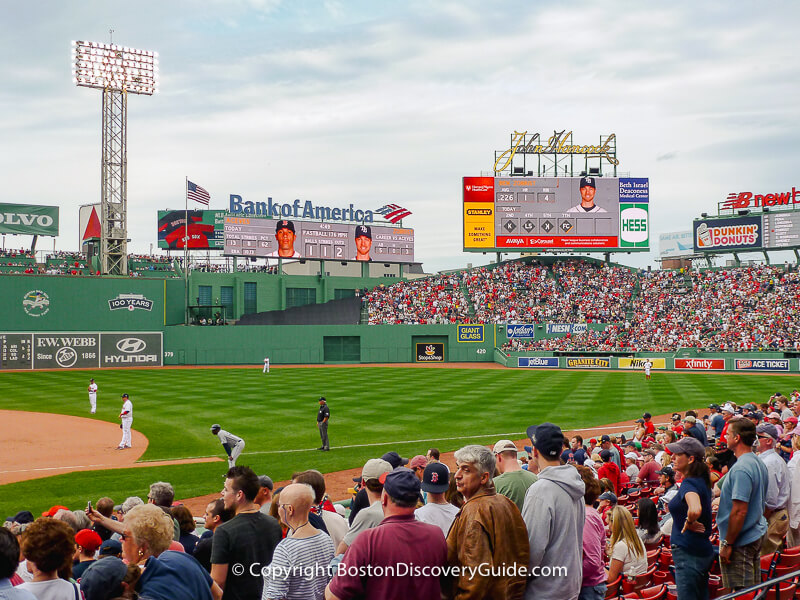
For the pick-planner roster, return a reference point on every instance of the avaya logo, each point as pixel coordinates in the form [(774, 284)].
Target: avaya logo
[(131, 345)]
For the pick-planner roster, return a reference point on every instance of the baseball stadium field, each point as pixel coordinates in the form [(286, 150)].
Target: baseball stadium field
[(373, 409)]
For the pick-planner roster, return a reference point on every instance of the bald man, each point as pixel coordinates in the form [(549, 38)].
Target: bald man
[(300, 562)]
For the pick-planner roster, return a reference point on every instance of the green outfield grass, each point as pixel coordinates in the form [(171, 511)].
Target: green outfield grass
[(382, 406)]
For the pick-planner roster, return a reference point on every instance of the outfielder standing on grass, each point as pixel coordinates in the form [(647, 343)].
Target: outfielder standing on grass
[(647, 366), (233, 445), (126, 416), (92, 396), (266, 365)]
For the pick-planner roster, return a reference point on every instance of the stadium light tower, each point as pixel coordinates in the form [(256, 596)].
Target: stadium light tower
[(118, 71)]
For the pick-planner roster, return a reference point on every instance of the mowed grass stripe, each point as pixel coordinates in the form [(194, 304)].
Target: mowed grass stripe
[(174, 409)]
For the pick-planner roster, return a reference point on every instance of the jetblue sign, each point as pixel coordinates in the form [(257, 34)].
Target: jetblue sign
[(541, 362), (564, 328), (762, 364), (516, 332)]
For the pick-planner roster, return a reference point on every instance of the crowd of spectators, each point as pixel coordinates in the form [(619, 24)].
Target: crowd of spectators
[(700, 498), (514, 293), (419, 302), (11, 253)]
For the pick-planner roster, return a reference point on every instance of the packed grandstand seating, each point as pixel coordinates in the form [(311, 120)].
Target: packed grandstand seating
[(752, 308), (747, 308), (631, 487), (419, 302)]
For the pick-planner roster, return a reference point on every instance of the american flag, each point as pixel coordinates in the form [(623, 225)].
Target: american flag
[(393, 212), (196, 193)]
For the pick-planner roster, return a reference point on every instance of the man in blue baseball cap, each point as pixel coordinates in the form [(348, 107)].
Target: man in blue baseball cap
[(588, 188), (363, 239)]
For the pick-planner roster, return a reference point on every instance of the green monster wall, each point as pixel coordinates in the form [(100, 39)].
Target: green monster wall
[(73, 303)]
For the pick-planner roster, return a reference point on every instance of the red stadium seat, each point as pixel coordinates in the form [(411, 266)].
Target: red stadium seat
[(652, 555), (612, 590), (768, 563), (786, 591), (639, 583), (789, 560)]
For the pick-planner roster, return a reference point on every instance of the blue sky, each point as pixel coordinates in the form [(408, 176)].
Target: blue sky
[(376, 102)]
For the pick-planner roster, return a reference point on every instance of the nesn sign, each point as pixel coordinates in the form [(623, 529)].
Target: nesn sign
[(538, 361), (762, 364), (520, 331)]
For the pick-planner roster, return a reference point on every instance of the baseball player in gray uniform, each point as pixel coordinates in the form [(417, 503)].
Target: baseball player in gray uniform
[(233, 445), (92, 396)]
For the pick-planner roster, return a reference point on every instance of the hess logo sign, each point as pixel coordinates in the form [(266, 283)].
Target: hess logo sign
[(633, 225)]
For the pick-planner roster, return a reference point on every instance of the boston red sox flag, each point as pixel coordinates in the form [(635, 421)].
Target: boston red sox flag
[(196, 193)]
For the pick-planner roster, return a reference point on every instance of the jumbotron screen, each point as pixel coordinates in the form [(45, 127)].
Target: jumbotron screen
[(204, 229), (288, 239), (540, 213)]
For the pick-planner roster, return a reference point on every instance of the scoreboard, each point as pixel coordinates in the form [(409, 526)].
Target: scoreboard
[(781, 229), (256, 237), (526, 213)]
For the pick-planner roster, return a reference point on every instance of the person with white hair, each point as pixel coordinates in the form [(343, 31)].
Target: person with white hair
[(300, 560), (488, 532)]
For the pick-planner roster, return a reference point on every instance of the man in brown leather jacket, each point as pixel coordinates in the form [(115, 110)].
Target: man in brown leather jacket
[(488, 540)]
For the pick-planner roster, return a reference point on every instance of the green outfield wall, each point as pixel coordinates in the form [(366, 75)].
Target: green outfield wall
[(74, 303), (78, 303), (321, 344)]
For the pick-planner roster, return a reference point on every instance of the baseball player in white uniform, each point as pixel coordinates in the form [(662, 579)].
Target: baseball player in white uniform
[(233, 445), (266, 365), (647, 366), (126, 417), (92, 396)]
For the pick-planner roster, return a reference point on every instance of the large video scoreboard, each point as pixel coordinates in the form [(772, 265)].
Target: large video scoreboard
[(256, 237), (540, 213)]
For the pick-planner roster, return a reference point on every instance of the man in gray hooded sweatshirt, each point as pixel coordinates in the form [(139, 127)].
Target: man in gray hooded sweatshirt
[(554, 515)]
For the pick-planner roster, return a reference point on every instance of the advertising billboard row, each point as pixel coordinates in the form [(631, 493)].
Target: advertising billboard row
[(60, 350), (576, 213), (773, 230)]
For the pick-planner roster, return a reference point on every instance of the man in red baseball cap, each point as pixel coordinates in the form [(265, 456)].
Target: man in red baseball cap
[(87, 542)]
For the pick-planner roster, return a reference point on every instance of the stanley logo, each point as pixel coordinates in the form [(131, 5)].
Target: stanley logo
[(487, 212)]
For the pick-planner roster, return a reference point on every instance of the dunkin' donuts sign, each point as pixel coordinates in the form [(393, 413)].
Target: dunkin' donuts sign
[(700, 364), (724, 234)]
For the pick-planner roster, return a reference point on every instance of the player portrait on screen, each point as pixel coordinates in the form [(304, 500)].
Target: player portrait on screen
[(587, 205), (363, 237), (284, 233)]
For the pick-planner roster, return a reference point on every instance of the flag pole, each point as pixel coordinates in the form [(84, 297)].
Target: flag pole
[(186, 245)]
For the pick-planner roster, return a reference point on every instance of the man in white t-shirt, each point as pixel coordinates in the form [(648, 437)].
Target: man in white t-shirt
[(438, 511), (126, 421), (92, 396)]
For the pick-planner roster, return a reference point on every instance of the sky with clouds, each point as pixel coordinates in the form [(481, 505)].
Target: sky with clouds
[(377, 102)]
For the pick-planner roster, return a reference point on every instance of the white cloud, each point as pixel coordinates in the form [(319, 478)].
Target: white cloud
[(368, 103)]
